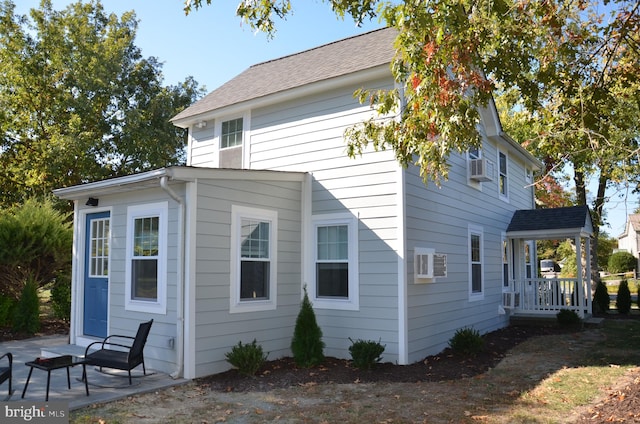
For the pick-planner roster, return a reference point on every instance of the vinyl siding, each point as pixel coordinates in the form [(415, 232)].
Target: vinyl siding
[(158, 353), (308, 135), (216, 329), (439, 218)]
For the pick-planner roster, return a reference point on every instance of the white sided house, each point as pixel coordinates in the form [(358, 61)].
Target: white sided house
[(219, 251), (629, 240)]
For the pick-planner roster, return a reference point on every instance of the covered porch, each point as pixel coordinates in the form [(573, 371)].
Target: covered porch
[(530, 295)]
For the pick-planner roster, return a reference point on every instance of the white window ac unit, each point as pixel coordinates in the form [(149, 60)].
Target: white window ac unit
[(510, 300), (481, 169), (428, 264)]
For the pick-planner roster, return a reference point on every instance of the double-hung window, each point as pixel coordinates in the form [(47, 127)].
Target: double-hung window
[(476, 271), (231, 133), (146, 265), (503, 181), (335, 262), (253, 275)]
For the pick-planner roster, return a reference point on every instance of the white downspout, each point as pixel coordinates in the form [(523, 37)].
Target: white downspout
[(180, 279)]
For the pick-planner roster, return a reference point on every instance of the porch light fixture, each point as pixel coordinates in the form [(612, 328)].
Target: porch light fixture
[(92, 201), (201, 124)]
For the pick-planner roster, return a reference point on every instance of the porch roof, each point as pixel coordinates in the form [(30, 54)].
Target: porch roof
[(549, 224)]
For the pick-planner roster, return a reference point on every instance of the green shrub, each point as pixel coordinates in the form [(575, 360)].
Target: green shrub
[(307, 345), (568, 318), (6, 311), (247, 358), (467, 341), (365, 353), (601, 299), (26, 317), (623, 301), (61, 299), (620, 262), (36, 241)]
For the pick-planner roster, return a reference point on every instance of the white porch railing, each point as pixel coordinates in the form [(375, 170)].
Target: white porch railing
[(547, 296)]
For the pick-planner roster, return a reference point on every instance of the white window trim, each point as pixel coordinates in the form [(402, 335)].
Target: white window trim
[(504, 197), (235, 303), (353, 302), (479, 231), (160, 210), (218, 130)]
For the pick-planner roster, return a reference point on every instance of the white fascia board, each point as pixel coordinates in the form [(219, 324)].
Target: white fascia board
[(283, 96), (78, 191), (178, 173), (549, 234)]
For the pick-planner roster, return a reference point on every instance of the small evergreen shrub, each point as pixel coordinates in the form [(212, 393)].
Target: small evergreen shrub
[(307, 345), (467, 341), (601, 299), (247, 358), (365, 353), (568, 318), (61, 300), (26, 317), (623, 301)]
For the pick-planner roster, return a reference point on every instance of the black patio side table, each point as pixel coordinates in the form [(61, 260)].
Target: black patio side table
[(56, 363)]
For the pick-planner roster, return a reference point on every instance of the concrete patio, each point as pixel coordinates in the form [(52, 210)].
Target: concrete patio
[(103, 387)]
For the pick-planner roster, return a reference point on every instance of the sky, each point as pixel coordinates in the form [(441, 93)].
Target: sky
[(212, 45)]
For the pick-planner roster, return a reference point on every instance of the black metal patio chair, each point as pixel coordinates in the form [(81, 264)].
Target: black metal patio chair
[(6, 373), (123, 357)]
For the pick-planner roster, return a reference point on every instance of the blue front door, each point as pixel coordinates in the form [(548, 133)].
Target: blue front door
[(96, 274)]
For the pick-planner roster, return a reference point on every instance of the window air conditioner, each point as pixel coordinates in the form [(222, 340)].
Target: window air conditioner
[(428, 264), (510, 300), (481, 169)]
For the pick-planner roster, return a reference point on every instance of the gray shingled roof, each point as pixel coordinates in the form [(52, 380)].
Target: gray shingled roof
[(332, 60), (569, 218)]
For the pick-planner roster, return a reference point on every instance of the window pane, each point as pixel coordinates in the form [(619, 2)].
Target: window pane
[(333, 243), (144, 279), (99, 242), (231, 133), (145, 236), (332, 279), (475, 248), (476, 278), (505, 275), (503, 163), (255, 239), (254, 280)]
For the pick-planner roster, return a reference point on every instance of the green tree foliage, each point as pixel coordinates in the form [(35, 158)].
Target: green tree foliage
[(307, 345), (623, 300), (35, 244), (621, 262), (26, 317), (61, 298), (606, 244), (567, 70), (78, 102)]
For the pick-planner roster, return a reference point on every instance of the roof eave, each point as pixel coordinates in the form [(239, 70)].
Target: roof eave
[(550, 234), (378, 71)]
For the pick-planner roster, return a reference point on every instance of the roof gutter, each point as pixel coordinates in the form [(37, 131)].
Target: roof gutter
[(179, 371)]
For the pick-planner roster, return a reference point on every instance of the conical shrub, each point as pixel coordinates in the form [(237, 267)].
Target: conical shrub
[(601, 299), (307, 345), (623, 301)]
